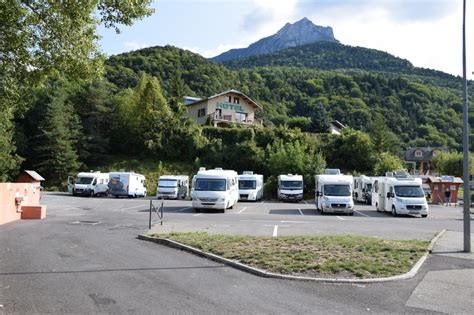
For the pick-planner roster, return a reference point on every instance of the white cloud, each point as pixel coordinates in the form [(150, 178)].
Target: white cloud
[(134, 45), (430, 43)]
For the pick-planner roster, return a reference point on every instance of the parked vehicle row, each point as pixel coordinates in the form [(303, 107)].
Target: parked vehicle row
[(221, 189), (116, 184)]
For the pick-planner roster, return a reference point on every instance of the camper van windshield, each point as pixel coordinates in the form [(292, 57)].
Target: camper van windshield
[(84, 180), (168, 183), (203, 184), (291, 184), (337, 190), (409, 191), (247, 184)]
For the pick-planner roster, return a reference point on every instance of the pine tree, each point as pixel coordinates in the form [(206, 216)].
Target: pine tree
[(55, 152)]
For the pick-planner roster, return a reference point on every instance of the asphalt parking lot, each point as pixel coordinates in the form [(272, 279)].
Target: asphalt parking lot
[(274, 218), (85, 258)]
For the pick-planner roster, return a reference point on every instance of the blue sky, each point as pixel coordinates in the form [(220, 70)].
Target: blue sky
[(426, 32)]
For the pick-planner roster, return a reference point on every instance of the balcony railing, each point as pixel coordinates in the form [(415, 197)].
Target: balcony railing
[(216, 117)]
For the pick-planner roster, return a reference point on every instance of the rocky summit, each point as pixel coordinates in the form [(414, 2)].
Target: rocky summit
[(299, 33)]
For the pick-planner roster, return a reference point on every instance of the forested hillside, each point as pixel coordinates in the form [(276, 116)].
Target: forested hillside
[(418, 112), (328, 55), (133, 118)]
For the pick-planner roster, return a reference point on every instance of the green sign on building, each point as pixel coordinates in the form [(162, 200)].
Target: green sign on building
[(225, 105)]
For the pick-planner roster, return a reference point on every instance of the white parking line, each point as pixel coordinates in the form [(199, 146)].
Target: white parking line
[(365, 215), (140, 206), (197, 214), (275, 231), (305, 201), (301, 212), (340, 217), (184, 209), (242, 210), (263, 201)]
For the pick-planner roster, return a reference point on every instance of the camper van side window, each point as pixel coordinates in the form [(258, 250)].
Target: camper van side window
[(376, 187)]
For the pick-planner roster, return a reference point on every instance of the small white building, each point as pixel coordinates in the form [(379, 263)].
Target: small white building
[(223, 109)]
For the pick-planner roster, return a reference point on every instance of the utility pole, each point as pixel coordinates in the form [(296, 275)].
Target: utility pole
[(465, 144)]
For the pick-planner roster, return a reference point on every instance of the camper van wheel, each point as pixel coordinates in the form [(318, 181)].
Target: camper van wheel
[(394, 211), (424, 215)]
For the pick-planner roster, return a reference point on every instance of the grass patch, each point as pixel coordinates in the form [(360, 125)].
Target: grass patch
[(314, 256)]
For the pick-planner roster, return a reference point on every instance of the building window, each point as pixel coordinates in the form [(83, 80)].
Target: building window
[(418, 153), (201, 112), (236, 100), (241, 117), (229, 99)]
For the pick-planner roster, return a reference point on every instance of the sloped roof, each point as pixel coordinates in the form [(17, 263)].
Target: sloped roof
[(35, 175), (248, 99), (427, 153), (454, 180)]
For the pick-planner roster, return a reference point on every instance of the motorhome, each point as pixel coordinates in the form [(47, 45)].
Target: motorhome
[(290, 187), (250, 186), (399, 195), (127, 184), (333, 193), (172, 187), (89, 184), (363, 189), (215, 189)]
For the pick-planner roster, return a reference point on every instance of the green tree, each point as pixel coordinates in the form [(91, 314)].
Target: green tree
[(387, 162), (351, 151), (319, 119), (383, 139), (55, 155), (41, 37), (451, 163)]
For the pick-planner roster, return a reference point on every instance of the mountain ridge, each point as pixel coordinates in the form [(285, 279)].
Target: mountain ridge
[(290, 35)]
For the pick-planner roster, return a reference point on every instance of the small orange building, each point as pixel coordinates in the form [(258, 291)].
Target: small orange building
[(439, 185), (21, 200)]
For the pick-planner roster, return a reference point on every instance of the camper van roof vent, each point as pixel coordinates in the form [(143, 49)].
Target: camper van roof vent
[(247, 173), (202, 169), (389, 174), (401, 174), (332, 171), (218, 168)]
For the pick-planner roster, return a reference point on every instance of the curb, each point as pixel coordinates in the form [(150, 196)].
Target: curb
[(262, 273), (435, 239)]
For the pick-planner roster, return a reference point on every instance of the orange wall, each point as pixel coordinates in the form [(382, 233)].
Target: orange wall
[(8, 191)]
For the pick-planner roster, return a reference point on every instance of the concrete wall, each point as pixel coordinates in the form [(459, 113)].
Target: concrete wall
[(29, 191)]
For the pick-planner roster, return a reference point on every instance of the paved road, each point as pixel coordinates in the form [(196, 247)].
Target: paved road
[(85, 258)]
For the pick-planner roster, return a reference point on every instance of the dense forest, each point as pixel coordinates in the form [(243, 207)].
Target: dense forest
[(133, 117)]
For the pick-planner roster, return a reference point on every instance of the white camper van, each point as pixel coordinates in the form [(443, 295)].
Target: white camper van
[(363, 189), (250, 186), (290, 187), (334, 193), (172, 187), (127, 184), (399, 195), (215, 189), (88, 184)]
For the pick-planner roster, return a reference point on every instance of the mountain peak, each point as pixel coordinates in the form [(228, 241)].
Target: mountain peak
[(294, 34)]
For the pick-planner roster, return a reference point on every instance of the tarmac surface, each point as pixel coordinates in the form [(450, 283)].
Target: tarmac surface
[(85, 258)]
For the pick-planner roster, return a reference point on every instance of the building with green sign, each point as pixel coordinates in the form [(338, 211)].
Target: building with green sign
[(223, 109)]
